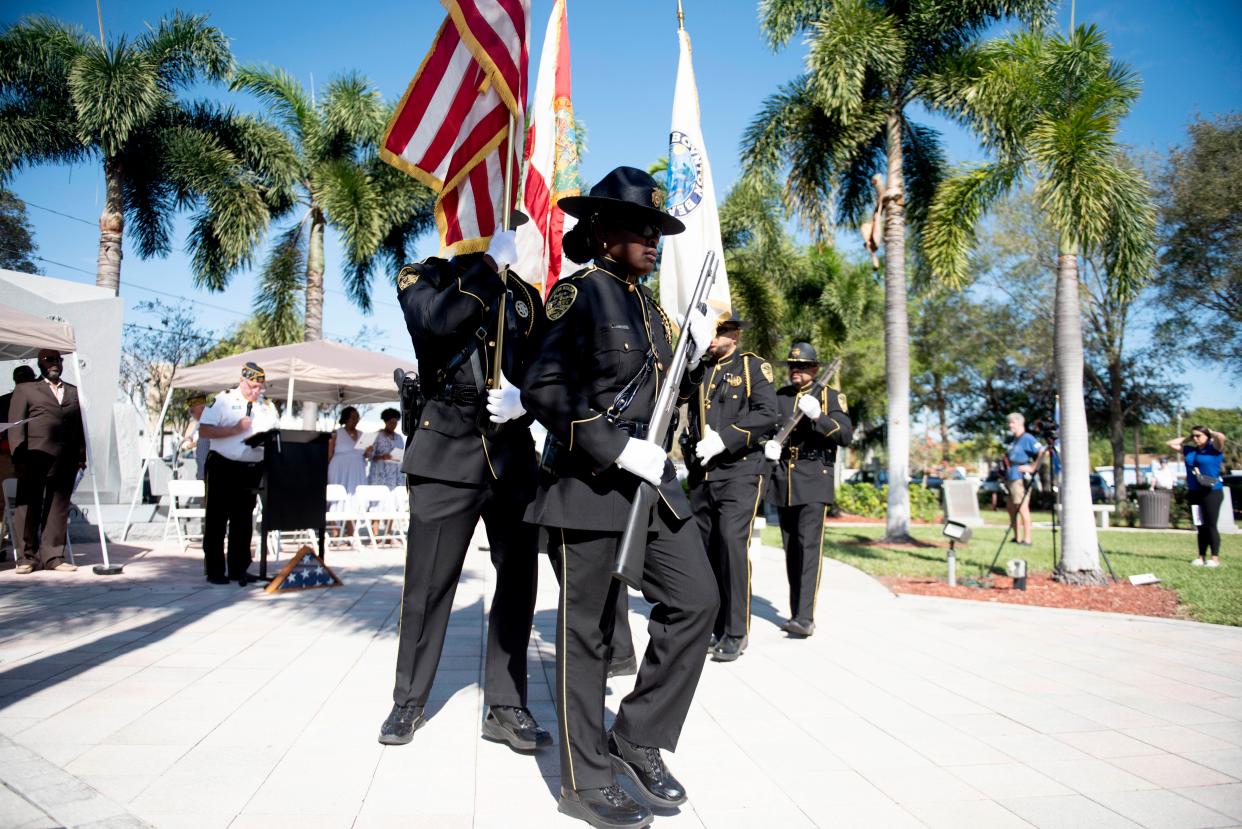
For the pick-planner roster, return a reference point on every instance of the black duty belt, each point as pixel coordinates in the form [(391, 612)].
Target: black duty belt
[(797, 453), (458, 393), (633, 428)]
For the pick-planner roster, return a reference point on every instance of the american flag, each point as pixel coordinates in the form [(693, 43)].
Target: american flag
[(451, 128)]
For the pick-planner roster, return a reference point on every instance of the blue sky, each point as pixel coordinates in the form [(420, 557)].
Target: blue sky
[(1189, 55)]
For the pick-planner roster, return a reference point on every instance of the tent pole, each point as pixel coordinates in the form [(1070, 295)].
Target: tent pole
[(142, 470), (107, 568), (289, 398)]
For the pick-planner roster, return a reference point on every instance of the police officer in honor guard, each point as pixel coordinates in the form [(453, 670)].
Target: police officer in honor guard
[(731, 412), (594, 385), (802, 483), (471, 456), (233, 472)]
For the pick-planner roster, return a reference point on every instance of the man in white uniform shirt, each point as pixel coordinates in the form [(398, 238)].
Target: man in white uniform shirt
[(233, 473)]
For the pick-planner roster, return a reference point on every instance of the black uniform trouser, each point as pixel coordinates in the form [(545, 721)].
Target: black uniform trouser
[(802, 532), (677, 581), (1209, 502), (725, 512), (44, 487), (622, 638), (443, 516), (231, 492)]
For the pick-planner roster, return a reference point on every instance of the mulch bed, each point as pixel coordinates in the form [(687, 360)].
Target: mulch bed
[(1041, 590)]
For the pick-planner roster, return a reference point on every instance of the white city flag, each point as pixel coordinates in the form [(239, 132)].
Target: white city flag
[(691, 198)]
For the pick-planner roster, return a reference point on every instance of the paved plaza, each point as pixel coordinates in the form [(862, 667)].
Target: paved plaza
[(155, 699)]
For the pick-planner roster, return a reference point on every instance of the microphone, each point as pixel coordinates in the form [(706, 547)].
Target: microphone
[(249, 408)]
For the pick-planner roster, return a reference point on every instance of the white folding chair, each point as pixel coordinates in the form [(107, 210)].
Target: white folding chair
[(401, 506), (180, 492), (341, 511), (10, 499), (375, 504)]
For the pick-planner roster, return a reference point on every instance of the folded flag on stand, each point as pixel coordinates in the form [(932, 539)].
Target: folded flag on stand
[(551, 160), (691, 198), (451, 128)]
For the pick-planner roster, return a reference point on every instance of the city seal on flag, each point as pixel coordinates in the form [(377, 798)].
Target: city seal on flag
[(685, 174)]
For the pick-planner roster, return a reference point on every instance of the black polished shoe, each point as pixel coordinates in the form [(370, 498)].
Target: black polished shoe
[(245, 579), (516, 727), (608, 808), (645, 766), (217, 580), (402, 722), (798, 628), (622, 667), (712, 643), (730, 648)]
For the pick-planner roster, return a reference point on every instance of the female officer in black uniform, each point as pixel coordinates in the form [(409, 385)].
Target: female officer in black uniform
[(593, 385)]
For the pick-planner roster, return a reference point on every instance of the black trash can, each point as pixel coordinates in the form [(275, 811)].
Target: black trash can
[(1154, 506)]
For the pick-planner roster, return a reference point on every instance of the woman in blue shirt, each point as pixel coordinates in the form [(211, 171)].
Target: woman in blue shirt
[(1204, 454)]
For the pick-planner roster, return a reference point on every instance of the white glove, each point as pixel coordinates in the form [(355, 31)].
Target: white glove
[(505, 403), (710, 446), (503, 248), (702, 331), (646, 460), (808, 404), (772, 450)]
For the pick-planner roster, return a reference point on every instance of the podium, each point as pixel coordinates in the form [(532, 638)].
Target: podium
[(294, 486)]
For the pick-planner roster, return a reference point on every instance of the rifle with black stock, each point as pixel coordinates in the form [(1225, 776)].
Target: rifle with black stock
[(628, 565), (817, 385)]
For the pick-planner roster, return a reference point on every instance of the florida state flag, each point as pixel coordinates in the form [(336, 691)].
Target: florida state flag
[(451, 129)]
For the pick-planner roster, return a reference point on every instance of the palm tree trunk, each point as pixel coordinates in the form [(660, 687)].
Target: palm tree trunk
[(1080, 553), (942, 413), (314, 278), (111, 228), (896, 341), (1116, 429)]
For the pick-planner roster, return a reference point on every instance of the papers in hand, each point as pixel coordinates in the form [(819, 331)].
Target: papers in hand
[(365, 440), (396, 454), (4, 427)]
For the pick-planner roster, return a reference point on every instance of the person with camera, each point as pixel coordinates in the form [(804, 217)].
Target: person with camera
[(1020, 460), (731, 411), (470, 456), (1204, 455)]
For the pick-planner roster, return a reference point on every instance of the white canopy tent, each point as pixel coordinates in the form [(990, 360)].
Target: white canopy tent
[(313, 372), (23, 336)]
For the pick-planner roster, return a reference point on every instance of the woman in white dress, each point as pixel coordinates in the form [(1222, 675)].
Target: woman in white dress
[(347, 464)]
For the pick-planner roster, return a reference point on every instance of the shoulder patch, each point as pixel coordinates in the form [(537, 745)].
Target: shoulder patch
[(841, 401), (407, 277), (560, 300), (766, 368)]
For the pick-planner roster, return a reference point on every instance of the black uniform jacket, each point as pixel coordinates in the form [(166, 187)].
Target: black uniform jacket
[(738, 400), (600, 327), (803, 475), (54, 428), (448, 305)]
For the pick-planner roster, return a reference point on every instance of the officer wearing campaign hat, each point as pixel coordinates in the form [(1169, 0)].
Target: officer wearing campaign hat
[(232, 473), (593, 385), (470, 456), (733, 408), (802, 482)]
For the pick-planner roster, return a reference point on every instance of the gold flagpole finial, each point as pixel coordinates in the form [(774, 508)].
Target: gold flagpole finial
[(681, 17)]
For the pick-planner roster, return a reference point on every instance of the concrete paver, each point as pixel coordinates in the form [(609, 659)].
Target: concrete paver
[(155, 699)]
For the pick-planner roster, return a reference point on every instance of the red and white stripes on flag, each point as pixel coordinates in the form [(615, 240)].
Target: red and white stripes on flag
[(551, 160), (450, 130)]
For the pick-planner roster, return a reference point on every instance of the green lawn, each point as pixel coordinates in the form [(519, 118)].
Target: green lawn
[(1208, 595)]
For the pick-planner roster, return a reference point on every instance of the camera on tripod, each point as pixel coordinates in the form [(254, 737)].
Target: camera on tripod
[(1045, 428)]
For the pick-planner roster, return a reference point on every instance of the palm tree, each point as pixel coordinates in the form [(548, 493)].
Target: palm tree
[(843, 121), (1047, 108), (338, 181), (66, 98)]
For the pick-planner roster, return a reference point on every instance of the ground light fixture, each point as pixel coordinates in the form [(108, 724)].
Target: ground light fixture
[(1017, 571), (956, 532)]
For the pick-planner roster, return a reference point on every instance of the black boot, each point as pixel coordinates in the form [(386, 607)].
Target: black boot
[(402, 722), (729, 648), (798, 628), (607, 808), (515, 726), (622, 667), (645, 766)]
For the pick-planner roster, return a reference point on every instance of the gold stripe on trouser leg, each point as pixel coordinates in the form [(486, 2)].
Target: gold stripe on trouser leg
[(819, 561), (569, 749), (750, 529)]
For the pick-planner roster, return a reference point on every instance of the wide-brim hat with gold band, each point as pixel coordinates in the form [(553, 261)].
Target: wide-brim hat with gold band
[(627, 191), (732, 324), (802, 354), (254, 373)]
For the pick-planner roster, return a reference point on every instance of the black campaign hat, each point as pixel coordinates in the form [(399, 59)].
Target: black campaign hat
[(802, 353), (732, 323), (625, 190)]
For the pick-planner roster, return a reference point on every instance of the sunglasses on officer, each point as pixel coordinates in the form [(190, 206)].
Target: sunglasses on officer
[(640, 227)]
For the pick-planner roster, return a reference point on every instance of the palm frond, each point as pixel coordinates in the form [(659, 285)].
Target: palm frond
[(185, 50), (961, 200), (923, 167), (352, 115), (782, 20), (352, 205), (284, 97), (854, 43), (279, 295), (114, 92)]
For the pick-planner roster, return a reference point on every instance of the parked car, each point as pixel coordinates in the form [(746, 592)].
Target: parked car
[(1234, 482), (929, 481), (1101, 492), (875, 477)]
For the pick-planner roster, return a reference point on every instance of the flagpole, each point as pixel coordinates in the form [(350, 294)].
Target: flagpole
[(681, 18), (505, 210)]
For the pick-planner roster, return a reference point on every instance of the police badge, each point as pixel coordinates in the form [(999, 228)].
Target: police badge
[(523, 310), (407, 277), (766, 368), (560, 300)]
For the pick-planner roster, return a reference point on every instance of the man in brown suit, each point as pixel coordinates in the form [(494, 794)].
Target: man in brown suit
[(49, 449), (21, 374)]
